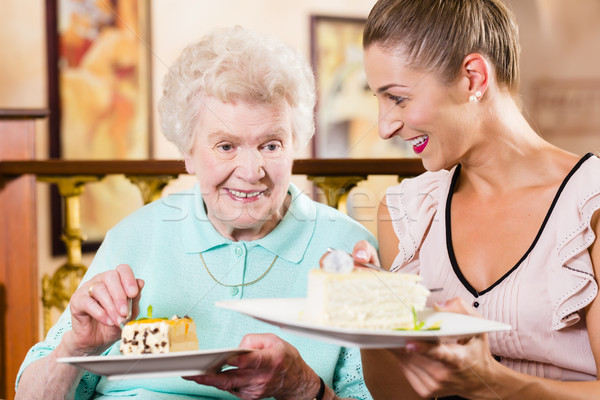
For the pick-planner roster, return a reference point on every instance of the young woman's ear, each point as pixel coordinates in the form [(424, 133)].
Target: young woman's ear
[(477, 71)]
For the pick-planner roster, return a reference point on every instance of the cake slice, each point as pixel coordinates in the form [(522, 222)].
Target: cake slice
[(159, 335), (364, 299)]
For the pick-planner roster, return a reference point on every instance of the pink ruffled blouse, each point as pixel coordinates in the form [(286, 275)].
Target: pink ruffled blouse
[(542, 297)]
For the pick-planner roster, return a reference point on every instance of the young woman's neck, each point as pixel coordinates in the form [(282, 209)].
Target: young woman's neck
[(507, 153)]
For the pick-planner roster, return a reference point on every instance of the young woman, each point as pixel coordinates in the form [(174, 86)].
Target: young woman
[(504, 221)]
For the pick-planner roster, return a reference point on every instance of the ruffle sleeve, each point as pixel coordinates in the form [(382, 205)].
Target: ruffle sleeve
[(412, 206), (571, 282)]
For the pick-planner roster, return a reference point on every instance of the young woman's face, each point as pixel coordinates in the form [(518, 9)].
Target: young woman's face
[(242, 156), (415, 106)]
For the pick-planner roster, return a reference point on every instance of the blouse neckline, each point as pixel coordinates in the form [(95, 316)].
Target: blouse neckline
[(450, 247)]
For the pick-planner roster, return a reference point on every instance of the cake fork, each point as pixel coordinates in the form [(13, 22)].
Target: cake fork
[(129, 307)]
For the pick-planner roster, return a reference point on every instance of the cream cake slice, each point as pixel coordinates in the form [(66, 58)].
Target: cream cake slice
[(364, 299), (159, 335)]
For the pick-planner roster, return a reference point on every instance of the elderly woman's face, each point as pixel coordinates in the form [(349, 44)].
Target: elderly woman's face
[(242, 156)]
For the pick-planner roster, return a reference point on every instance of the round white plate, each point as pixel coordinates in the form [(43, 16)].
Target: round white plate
[(181, 363), (287, 314)]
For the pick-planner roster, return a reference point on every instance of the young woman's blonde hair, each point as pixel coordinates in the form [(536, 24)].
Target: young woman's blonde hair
[(236, 64), (436, 35)]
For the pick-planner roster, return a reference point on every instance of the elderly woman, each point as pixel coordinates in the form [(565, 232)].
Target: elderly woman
[(237, 105)]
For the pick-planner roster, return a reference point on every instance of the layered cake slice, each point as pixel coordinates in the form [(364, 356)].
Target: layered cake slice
[(364, 299), (159, 335)]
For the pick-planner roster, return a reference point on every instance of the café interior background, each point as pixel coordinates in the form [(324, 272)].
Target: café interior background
[(560, 78)]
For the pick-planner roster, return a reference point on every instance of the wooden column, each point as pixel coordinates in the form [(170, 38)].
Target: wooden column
[(19, 295)]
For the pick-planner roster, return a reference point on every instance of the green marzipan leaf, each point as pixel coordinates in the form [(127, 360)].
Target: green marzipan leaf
[(418, 325)]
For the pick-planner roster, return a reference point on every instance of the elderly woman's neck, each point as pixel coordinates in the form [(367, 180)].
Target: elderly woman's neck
[(251, 233)]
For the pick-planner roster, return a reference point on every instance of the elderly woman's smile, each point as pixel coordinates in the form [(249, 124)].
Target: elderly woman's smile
[(242, 156), (244, 196)]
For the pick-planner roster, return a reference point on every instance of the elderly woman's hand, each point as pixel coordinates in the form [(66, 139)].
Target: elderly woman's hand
[(463, 368), (273, 369), (98, 307)]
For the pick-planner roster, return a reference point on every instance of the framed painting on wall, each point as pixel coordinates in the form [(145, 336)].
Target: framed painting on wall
[(100, 101), (347, 111)]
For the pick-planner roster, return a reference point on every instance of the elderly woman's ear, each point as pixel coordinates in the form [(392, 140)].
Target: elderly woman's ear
[(189, 163)]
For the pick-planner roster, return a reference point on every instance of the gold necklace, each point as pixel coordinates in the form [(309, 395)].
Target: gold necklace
[(241, 284)]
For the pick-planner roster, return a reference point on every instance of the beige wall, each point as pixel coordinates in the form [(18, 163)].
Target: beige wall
[(559, 41)]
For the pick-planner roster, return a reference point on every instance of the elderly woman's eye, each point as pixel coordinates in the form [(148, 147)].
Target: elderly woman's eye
[(226, 147), (272, 146)]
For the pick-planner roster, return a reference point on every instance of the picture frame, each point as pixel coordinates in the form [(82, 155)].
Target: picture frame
[(346, 111), (99, 96)]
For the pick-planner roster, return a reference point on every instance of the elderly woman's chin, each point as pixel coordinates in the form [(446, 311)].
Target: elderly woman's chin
[(241, 219)]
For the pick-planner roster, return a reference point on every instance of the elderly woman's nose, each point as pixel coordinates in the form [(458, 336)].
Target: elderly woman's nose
[(250, 165)]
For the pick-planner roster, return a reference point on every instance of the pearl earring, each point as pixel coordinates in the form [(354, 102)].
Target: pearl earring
[(475, 97)]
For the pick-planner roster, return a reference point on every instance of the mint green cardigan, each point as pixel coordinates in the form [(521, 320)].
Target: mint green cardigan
[(162, 242)]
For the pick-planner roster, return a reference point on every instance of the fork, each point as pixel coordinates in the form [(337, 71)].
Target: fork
[(129, 308)]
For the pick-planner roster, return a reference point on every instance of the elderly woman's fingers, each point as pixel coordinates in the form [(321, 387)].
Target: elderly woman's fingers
[(364, 252), (136, 300), (110, 291), (95, 310), (118, 286), (244, 384), (274, 369), (128, 280), (260, 340), (101, 294), (277, 351), (116, 304)]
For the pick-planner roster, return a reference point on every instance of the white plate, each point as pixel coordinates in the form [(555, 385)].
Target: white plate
[(181, 363), (286, 313)]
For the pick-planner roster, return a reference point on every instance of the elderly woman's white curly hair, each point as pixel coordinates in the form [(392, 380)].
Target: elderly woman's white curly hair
[(236, 64)]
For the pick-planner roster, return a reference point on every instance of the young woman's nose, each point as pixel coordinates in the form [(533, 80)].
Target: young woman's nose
[(389, 123)]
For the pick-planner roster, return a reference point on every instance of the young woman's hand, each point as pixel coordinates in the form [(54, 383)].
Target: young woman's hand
[(463, 367)]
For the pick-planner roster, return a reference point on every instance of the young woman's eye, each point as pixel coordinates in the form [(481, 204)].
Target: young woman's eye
[(397, 99)]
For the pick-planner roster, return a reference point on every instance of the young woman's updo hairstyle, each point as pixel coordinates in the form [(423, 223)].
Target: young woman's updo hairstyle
[(236, 64), (436, 35)]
